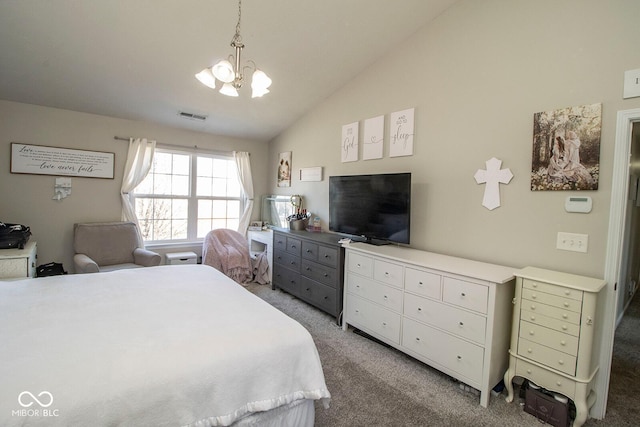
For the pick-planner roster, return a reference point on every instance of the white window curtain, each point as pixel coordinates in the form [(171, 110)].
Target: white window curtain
[(139, 161), (243, 162)]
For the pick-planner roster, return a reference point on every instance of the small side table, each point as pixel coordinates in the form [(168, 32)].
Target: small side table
[(178, 258), (18, 263), (262, 241)]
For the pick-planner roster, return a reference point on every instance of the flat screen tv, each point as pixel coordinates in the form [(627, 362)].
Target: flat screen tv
[(376, 207)]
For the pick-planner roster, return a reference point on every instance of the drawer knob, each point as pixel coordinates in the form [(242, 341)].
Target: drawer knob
[(386, 273), (326, 275), (326, 256), (564, 315), (566, 304), (462, 294), (308, 251), (293, 246), (528, 371), (326, 297), (459, 357), (531, 333), (307, 289), (308, 268), (533, 317), (420, 283), (567, 292), (529, 350), (358, 265), (385, 297), (563, 342), (560, 362), (384, 324), (419, 309), (417, 339), (534, 296), (559, 383), (533, 307), (461, 323), (535, 285), (564, 327)]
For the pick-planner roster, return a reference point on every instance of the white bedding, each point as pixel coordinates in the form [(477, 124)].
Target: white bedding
[(172, 345)]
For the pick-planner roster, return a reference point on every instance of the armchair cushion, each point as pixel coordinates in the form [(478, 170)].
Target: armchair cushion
[(110, 246)]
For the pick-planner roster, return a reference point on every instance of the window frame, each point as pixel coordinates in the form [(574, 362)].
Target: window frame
[(191, 197)]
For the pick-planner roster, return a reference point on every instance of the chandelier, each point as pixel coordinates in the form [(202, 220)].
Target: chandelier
[(230, 72)]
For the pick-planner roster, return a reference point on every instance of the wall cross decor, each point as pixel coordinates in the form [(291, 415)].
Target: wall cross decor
[(493, 176)]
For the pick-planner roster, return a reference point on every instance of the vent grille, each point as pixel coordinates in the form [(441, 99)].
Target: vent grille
[(192, 116)]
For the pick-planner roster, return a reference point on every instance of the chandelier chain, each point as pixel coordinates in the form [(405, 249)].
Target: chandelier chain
[(236, 41)]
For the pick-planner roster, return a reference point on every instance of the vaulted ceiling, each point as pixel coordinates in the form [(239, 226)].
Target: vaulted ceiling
[(136, 59)]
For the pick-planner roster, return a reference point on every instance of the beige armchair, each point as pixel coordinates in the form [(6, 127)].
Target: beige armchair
[(107, 246)]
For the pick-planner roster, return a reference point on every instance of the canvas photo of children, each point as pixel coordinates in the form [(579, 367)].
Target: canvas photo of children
[(284, 169)]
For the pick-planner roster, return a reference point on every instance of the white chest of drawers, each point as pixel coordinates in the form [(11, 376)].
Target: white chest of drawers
[(18, 263), (552, 335), (450, 313)]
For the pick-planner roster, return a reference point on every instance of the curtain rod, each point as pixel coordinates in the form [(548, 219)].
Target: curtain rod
[(181, 147)]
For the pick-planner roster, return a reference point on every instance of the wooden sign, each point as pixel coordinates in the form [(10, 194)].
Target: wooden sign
[(43, 160)]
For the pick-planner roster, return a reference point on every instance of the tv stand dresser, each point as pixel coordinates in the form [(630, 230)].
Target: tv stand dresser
[(451, 313), (310, 266)]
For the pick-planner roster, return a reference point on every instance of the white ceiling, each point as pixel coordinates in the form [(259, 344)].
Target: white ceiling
[(136, 59)]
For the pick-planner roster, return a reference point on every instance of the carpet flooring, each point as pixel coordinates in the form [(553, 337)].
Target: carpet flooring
[(375, 385)]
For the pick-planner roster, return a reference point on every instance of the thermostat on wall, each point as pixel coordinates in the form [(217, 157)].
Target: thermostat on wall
[(578, 204)]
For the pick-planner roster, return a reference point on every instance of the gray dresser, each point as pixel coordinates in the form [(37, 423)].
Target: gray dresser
[(310, 266)]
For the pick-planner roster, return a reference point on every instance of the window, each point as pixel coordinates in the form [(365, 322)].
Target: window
[(186, 195)]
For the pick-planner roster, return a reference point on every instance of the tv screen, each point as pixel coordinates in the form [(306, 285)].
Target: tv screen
[(376, 207)]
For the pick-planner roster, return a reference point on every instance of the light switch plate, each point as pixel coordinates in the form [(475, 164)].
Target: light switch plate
[(572, 242), (631, 83)]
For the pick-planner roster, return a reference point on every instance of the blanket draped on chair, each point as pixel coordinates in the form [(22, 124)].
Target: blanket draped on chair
[(228, 251)]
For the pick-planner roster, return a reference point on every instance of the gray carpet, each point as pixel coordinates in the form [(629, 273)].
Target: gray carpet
[(374, 385)]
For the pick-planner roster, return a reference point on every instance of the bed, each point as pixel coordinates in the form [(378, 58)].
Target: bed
[(178, 345)]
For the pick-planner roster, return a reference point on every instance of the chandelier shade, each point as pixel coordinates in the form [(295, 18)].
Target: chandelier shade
[(231, 73)]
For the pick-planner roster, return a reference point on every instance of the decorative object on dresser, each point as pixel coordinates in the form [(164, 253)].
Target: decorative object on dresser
[(310, 266), (552, 335), (18, 263), (450, 313)]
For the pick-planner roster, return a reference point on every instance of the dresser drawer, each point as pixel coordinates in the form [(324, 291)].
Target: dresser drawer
[(360, 264), (550, 322), (552, 300), (290, 261), (422, 283), (545, 378), (373, 318), (547, 356), (388, 272), (294, 246), (548, 337), (279, 242), (328, 256), (286, 279), (552, 289), (459, 322), (550, 311), (309, 250), (465, 294), (323, 297), (386, 296), (321, 273), (453, 353)]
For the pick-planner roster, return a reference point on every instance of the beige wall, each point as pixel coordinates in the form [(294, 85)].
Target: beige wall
[(475, 77), (27, 199)]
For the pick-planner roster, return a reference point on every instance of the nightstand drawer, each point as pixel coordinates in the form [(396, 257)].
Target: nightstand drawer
[(547, 356), (468, 295), (423, 283), (548, 337)]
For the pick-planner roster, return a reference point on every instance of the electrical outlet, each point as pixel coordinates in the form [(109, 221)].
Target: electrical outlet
[(572, 242)]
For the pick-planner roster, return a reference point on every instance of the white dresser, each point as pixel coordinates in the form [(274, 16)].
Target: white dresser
[(450, 313), (18, 263), (552, 335)]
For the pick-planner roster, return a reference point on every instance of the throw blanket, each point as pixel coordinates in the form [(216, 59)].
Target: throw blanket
[(228, 251), (261, 268), (164, 346)]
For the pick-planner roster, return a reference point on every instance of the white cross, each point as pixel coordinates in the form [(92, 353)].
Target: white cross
[(493, 176)]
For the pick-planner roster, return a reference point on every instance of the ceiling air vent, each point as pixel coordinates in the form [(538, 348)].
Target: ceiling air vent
[(192, 116)]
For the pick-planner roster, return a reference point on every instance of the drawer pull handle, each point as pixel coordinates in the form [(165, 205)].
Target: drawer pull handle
[(326, 275), (308, 251), (420, 283), (419, 309), (326, 297), (384, 324), (307, 289), (386, 273), (459, 357), (461, 323), (293, 246), (417, 339), (462, 294), (326, 256), (358, 265), (308, 268)]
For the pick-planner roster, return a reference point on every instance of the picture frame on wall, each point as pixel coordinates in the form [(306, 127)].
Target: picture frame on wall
[(284, 169), (566, 149)]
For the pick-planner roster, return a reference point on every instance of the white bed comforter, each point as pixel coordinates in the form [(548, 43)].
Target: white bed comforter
[(171, 345)]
